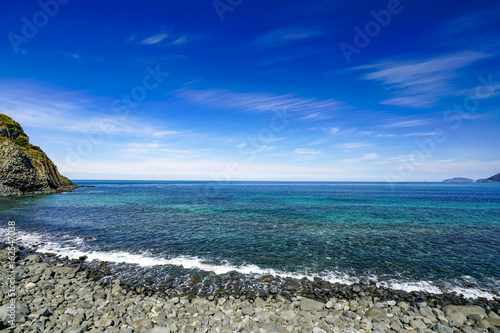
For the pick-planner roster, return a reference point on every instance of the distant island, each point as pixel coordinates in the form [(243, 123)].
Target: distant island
[(24, 168), (459, 180), (492, 179)]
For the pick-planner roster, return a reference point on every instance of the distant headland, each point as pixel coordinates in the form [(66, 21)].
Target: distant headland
[(24, 168), (492, 179)]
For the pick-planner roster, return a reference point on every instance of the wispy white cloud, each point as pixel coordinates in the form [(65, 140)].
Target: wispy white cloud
[(352, 145), (365, 157), (180, 40), (161, 134), (421, 83), (154, 39), (309, 108), (398, 123), (69, 111), (156, 148), (421, 134), (410, 158), (286, 35), (302, 151)]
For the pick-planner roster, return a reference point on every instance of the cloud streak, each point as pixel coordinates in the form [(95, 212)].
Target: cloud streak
[(284, 36), (256, 102), (154, 39), (421, 83)]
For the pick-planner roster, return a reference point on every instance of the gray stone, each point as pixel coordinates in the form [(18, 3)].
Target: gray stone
[(116, 287), (395, 326), (318, 330), (105, 323), (30, 285), (405, 306), (381, 305), (288, 315), (350, 314), (440, 328), (426, 311), (375, 312), (363, 302), (272, 328), (248, 311), (34, 258), (160, 330), (75, 330), (66, 270), (417, 323), (468, 329), (493, 315), (483, 323), (141, 323), (457, 317), (43, 312), (307, 304), (350, 330), (474, 317), (14, 311), (493, 321), (465, 310)]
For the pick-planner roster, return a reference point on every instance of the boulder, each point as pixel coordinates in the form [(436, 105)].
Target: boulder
[(307, 304), (465, 310), (34, 258), (440, 328), (375, 312), (66, 270), (493, 321), (14, 311)]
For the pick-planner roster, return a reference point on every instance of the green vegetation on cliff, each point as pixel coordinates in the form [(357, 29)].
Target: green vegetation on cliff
[(10, 124), (20, 138), (25, 168)]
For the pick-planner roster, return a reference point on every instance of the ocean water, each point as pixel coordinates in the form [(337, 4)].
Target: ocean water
[(430, 237)]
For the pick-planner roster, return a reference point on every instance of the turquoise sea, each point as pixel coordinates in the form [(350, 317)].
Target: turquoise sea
[(431, 237)]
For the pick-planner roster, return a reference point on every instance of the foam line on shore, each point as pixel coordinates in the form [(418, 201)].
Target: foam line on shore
[(69, 247)]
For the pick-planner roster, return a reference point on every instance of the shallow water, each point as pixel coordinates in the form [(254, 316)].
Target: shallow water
[(411, 236)]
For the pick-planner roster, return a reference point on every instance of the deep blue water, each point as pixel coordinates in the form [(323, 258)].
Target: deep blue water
[(412, 235)]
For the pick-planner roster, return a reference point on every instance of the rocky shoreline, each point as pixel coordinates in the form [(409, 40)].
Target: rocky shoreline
[(60, 295)]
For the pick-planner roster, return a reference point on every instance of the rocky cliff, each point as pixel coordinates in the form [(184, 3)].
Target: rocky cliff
[(25, 168)]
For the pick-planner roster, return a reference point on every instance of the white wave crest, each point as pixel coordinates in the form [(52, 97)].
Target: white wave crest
[(73, 248)]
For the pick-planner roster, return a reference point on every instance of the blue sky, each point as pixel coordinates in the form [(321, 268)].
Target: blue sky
[(256, 90)]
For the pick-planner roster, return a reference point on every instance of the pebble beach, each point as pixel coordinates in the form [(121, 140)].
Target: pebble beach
[(60, 295)]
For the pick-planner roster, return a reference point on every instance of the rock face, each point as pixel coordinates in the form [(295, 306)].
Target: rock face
[(25, 168)]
